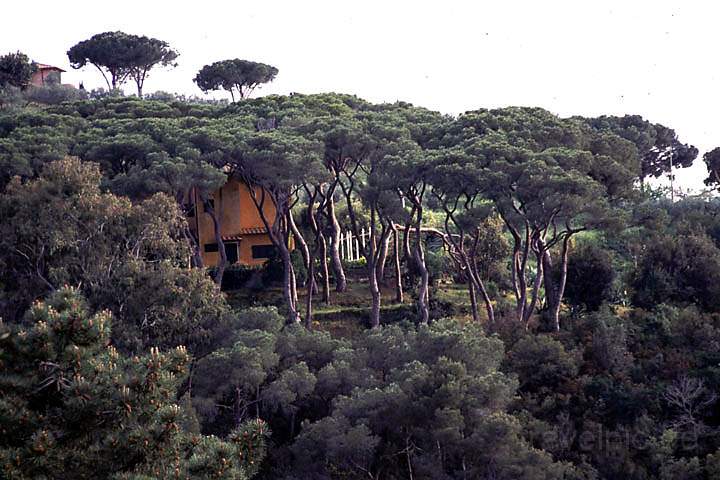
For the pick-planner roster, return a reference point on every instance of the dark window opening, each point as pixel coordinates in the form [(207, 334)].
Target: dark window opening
[(231, 250), (211, 247), (189, 209), (263, 251), (209, 202)]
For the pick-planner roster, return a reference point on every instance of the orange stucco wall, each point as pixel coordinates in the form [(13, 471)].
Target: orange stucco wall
[(41, 77), (237, 212)]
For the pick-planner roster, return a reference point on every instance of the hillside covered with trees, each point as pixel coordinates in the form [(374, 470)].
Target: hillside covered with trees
[(527, 305)]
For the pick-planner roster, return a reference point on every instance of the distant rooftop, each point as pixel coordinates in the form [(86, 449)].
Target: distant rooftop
[(43, 66)]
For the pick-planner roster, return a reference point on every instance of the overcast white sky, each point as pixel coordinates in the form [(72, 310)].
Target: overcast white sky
[(653, 58)]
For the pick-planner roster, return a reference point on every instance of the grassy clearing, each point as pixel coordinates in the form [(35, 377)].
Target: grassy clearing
[(348, 313)]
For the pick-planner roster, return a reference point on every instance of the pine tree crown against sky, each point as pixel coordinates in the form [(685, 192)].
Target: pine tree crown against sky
[(572, 58)]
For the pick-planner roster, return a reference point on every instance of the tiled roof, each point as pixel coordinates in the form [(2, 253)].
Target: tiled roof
[(43, 66), (245, 231), (252, 230)]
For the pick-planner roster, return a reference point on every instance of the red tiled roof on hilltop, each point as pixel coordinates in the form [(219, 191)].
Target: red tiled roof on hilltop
[(43, 66)]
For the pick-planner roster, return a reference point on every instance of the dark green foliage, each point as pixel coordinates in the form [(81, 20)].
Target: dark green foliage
[(15, 70), (429, 404), (657, 145), (266, 370), (52, 94), (683, 269), (542, 363), (590, 277), (636, 353), (60, 229), (122, 55), (73, 407), (712, 161), (241, 76)]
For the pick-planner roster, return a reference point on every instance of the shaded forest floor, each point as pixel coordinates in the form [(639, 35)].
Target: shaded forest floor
[(348, 312)]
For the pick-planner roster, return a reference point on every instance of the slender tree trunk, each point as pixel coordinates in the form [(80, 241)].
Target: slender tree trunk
[(477, 284), (374, 293), (486, 299), (372, 258), (560, 291), (473, 301), (222, 262), (519, 285), (325, 271), (519, 263), (293, 284), (407, 253), (309, 300), (303, 247), (406, 244), (196, 260), (279, 233), (423, 289), (299, 240), (336, 262), (536, 289), (471, 266), (314, 218), (384, 247), (551, 291), (398, 271), (289, 286)]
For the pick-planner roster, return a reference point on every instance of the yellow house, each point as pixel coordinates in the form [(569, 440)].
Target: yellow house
[(242, 230)]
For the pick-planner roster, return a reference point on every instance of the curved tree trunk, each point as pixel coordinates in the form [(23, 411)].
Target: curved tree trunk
[(551, 290), (476, 277), (279, 233), (314, 218), (222, 262), (325, 272), (309, 300), (384, 247), (521, 250), (293, 285), (372, 255), (535, 291), (423, 288), (374, 293), (196, 260), (473, 301), (304, 250), (407, 253), (486, 299), (336, 262), (398, 271), (560, 287), (289, 286)]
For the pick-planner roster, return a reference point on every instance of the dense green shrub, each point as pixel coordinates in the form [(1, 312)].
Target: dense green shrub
[(73, 407)]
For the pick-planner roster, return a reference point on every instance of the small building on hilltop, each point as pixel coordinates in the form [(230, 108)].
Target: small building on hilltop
[(241, 228), (46, 75)]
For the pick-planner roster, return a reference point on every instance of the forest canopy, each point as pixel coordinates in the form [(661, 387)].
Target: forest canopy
[(524, 303)]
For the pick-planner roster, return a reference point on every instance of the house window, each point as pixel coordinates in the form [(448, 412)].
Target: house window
[(210, 202), (231, 250), (189, 209), (263, 251), (211, 247)]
